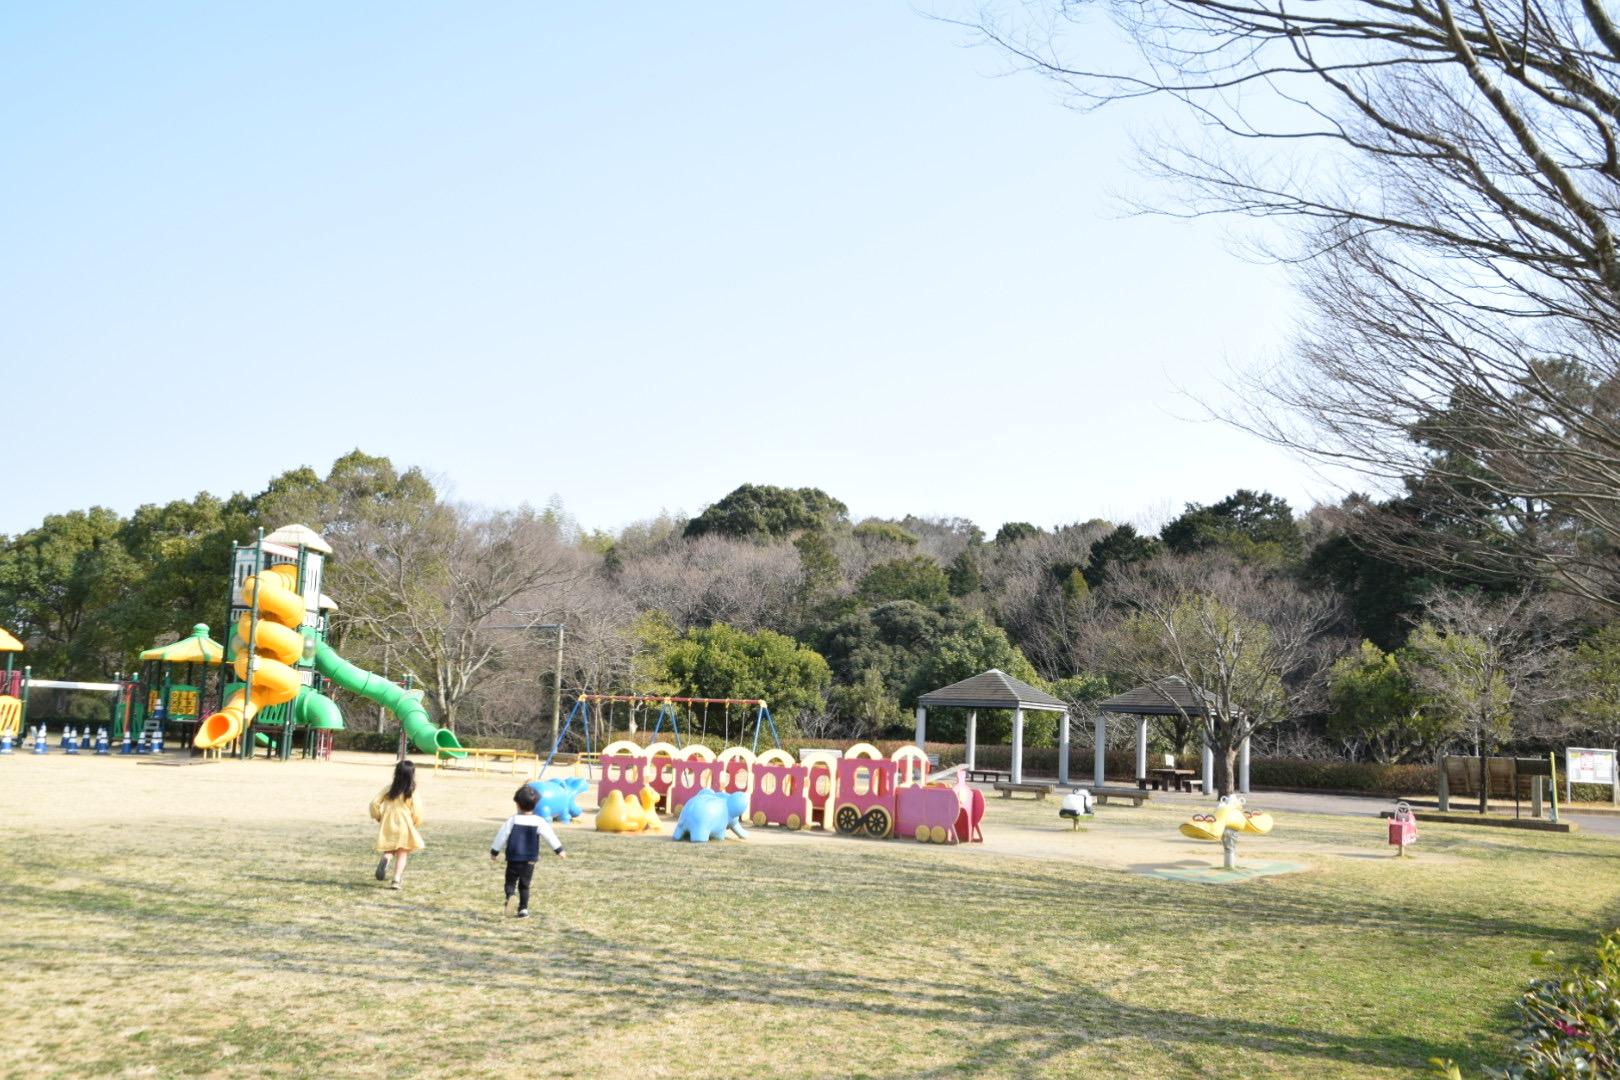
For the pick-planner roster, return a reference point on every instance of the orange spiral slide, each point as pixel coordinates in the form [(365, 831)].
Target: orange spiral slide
[(277, 645)]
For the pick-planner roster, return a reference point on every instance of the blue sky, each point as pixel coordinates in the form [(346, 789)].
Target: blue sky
[(629, 255)]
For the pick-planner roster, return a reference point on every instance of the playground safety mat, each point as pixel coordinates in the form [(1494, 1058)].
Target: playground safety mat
[(1205, 874)]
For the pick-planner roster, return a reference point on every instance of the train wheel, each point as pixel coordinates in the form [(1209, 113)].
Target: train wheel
[(938, 834), (877, 823), (793, 822), (847, 820), (759, 817), (922, 834), (675, 811)]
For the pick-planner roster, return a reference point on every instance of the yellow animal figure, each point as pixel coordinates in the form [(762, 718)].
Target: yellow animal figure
[(277, 645), (1229, 814), (619, 814)]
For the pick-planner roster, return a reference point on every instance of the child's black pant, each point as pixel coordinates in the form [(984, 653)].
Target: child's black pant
[(518, 876)]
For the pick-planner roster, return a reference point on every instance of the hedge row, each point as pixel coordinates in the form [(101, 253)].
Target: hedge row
[(1264, 772)]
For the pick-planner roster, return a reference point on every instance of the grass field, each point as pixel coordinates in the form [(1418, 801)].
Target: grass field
[(222, 920)]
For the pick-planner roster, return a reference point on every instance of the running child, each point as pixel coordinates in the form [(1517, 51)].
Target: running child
[(519, 837), (397, 817)]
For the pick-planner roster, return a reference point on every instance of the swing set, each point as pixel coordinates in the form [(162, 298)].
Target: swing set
[(667, 713)]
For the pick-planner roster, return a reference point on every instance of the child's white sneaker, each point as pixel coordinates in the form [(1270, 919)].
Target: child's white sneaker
[(523, 913)]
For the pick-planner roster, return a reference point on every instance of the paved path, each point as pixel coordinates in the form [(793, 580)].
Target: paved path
[(1352, 806)]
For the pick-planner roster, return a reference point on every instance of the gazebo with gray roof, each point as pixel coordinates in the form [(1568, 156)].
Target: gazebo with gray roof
[(995, 689), (1170, 696)]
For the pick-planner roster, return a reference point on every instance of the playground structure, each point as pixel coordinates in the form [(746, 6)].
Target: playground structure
[(861, 793), (1230, 818), (11, 704), (278, 647)]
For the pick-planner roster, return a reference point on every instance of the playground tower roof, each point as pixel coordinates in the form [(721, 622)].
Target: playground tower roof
[(195, 648)]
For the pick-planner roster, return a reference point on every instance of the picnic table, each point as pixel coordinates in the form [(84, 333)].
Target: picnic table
[(1168, 779)]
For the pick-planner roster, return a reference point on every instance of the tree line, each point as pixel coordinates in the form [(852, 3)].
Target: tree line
[(1307, 635)]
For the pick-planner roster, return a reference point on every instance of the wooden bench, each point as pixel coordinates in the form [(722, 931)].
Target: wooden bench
[(985, 776), (1038, 791), (1103, 794)]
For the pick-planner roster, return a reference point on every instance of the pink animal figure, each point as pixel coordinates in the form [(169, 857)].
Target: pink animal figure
[(927, 814)]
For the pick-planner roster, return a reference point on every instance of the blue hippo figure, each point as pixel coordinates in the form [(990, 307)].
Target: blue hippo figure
[(708, 815), (559, 799)]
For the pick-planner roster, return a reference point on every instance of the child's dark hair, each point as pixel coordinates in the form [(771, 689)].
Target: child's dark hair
[(404, 785), (526, 798)]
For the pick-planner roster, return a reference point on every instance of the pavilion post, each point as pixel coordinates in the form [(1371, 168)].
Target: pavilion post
[(1243, 767), (1141, 752), (1018, 747), (973, 739), (922, 726), (1063, 748), (1209, 768), (1099, 750)]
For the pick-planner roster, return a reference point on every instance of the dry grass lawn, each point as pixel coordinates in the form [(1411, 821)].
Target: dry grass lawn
[(222, 920)]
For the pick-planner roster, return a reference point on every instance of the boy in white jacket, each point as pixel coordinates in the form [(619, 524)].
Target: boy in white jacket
[(519, 838)]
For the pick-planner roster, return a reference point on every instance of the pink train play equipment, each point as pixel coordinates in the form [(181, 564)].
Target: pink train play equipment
[(862, 793), (695, 770), (781, 793), (624, 769)]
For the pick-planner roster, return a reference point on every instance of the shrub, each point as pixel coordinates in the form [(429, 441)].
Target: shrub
[(1569, 1026)]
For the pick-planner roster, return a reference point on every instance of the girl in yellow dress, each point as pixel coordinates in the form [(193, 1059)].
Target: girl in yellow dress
[(397, 817)]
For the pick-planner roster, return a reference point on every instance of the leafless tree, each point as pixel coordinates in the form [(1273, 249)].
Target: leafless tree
[(1252, 645), (448, 588), (1447, 176), (1484, 663), (713, 579)]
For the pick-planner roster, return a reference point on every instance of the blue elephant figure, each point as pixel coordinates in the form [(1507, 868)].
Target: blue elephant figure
[(559, 799), (709, 814)]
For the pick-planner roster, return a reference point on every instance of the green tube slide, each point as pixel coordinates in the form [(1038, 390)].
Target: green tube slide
[(406, 705), (313, 710)]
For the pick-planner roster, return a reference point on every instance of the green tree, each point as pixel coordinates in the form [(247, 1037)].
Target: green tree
[(62, 590), (866, 707), (1464, 680), (1591, 674), (1014, 531), (1372, 702), (762, 512), (1253, 526), (1121, 547), (916, 578), (964, 574), (722, 661), (877, 531)]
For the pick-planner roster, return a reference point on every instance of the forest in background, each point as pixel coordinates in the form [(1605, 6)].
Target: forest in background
[(1320, 641)]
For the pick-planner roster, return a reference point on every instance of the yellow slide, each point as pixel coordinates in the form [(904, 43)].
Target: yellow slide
[(277, 645)]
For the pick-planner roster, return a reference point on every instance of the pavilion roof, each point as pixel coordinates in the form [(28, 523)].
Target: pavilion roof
[(993, 689), (1169, 696)]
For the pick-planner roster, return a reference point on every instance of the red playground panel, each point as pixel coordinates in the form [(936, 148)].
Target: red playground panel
[(623, 770), (691, 776), (781, 793), (927, 814)]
